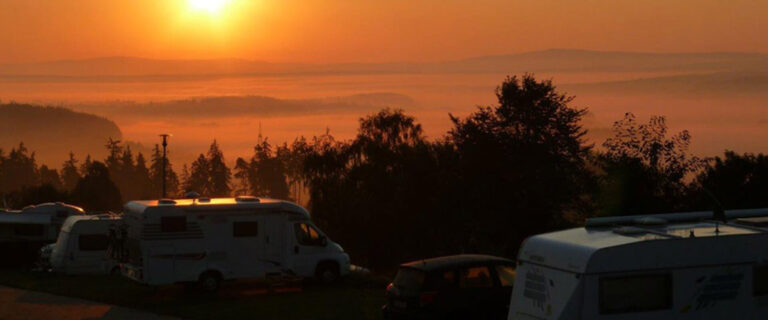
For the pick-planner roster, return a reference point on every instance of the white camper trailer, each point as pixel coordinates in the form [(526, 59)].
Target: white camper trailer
[(669, 266), (82, 245), (208, 240), (24, 232)]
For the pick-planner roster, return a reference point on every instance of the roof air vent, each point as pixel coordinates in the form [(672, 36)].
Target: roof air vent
[(166, 201), (246, 199), (204, 200)]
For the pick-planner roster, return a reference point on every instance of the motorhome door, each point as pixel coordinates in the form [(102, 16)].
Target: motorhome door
[(245, 248), (274, 243)]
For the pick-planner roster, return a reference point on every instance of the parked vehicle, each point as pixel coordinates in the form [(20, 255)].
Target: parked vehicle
[(82, 245), (24, 232), (209, 240), (669, 266), (452, 287)]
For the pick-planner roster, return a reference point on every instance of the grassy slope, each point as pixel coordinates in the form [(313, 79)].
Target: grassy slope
[(355, 298)]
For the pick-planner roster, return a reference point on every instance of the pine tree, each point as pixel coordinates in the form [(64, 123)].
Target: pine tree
[(69, 174), (218, 172), (198, 177)]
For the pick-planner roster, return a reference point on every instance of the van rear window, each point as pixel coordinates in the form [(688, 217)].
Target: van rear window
[(409, 279), (93, 242), (637, 293)]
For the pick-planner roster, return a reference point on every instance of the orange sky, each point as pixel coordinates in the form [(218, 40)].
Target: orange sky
[(372, 30)]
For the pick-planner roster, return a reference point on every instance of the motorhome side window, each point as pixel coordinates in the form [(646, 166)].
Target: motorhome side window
[(637, 293), (307, 235), (28, 229), (93, 242), (760, 280), (242, 229), (173, 224)]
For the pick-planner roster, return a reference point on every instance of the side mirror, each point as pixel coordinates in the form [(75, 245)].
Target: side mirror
[(324, 241)]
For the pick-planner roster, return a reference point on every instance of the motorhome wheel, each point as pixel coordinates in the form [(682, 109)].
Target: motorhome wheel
[(327, 272), (209, 281)]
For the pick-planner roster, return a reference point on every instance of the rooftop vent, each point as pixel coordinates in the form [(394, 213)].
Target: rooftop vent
[(246, 199), (204, 200), (191, 195), (166, 201)]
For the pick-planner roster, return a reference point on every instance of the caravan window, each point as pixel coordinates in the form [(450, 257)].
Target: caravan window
[(241, 229), (306, 234), (28, 229), (635, 293), (173, 224), (93, 242), (760, 280)]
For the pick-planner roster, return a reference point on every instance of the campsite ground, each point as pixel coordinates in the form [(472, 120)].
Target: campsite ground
[(358, 297)]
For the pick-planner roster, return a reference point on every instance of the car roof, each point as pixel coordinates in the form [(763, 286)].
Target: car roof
[(454, 261)]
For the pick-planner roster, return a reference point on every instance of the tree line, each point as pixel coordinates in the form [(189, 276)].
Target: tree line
[(500, 174)]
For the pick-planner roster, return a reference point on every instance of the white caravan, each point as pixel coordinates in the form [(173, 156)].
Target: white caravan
[(208, 240), (23, 232), (669, 266), (82, 245)]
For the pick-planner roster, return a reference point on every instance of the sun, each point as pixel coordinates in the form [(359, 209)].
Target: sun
[(210, 6)]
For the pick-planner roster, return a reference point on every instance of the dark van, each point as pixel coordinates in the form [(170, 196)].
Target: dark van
[(452, 287)]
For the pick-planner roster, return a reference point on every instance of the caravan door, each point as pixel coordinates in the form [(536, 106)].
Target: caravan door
[(89, 254)]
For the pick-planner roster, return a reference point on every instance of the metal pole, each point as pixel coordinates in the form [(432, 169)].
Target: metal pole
[(165, 159)]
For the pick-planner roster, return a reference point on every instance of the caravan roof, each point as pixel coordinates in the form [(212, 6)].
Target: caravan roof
[(71, 221), (649, 242), (214, 205)]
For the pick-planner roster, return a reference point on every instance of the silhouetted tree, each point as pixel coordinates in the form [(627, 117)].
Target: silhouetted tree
[(18, 170), (198, 176), (141, 180), (265, 174), (736, 181), (644, 170), (50, 177), (156, 174), (219, 174), (96, 191), (522, 163), (69, 174)]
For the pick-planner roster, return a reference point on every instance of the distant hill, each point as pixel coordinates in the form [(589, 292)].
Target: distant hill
[(229, 106), (52, 132), (556, 60), (752, 83)]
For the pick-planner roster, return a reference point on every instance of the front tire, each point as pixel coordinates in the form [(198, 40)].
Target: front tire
[(209, 282), (327, 272)]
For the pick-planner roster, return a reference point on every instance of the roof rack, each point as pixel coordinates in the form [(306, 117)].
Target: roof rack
[(671, 217)]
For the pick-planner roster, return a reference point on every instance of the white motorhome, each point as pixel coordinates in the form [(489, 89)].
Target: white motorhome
[(208, 240), (24, 232), (668, 266), (82, 245)]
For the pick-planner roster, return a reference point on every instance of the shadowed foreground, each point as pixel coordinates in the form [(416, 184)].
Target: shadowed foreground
[(353, 299)]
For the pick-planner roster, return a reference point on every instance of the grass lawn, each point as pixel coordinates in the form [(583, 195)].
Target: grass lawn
[(358, 297)]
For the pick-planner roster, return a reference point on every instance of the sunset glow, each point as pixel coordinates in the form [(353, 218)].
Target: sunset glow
[(209, 6)]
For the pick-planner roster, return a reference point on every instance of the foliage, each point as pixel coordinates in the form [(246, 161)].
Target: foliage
[(644, 170), (96, 191)]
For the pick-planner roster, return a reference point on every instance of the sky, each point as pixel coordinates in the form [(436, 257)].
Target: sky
[(322, 31)]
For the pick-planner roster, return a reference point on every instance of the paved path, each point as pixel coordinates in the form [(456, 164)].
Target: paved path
[(31, 305)]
